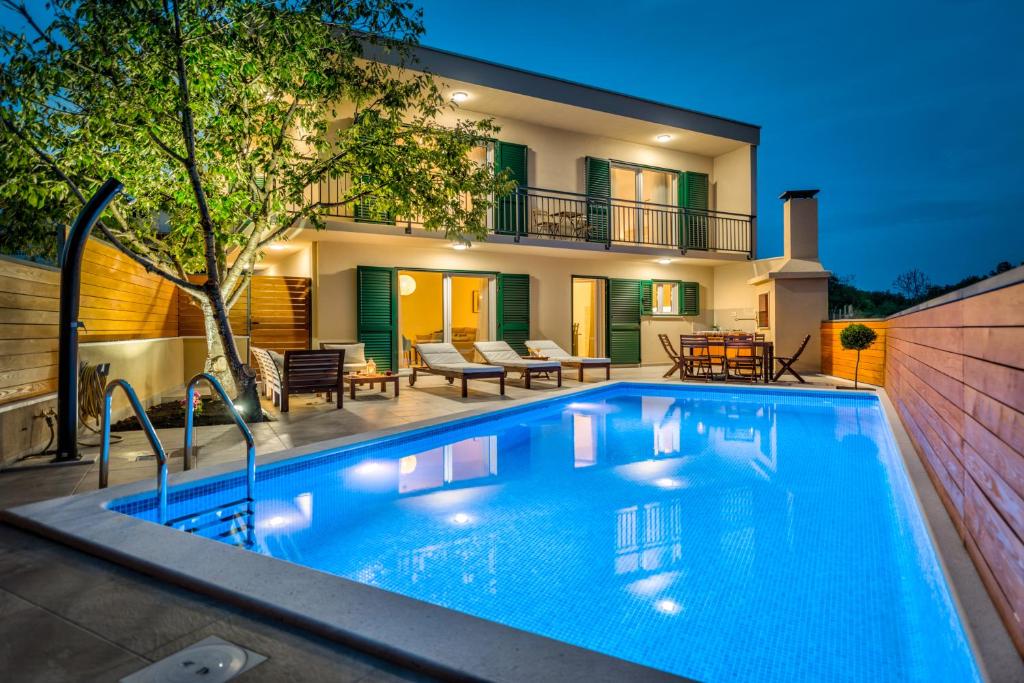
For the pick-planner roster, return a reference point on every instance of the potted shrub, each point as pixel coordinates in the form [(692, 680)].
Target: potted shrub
[(857, 337)]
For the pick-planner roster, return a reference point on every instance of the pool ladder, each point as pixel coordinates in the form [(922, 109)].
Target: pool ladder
[(188, 453)]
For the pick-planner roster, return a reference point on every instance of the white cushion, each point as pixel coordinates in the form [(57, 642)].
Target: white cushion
[(465, 368), (546, 347), (500, 353), (445, 357), (354, 353)]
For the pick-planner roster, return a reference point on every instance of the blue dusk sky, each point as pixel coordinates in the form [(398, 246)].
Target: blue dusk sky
[(909, 116)]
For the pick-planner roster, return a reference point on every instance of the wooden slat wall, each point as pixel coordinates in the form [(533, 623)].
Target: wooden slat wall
[(280, 312), (29, 301), (838, 362), (190, 317), (955, 373), (120, 300)]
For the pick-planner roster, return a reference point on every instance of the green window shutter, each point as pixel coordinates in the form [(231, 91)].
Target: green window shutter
[(514, 311), (377, 314), (693, 196), (625, 304), (647, 297), (689, 298), (510, 210), (599, 192)]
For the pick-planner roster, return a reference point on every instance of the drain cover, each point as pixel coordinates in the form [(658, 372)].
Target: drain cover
[(211, 660)]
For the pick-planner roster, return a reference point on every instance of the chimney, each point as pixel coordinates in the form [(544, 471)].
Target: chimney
[(800, 225)]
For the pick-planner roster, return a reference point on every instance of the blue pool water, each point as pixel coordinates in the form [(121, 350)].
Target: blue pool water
[(724, 535)]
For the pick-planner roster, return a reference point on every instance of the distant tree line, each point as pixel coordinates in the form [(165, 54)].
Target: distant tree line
[(846, 300)]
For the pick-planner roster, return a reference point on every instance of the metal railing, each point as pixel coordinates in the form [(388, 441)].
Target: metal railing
[(154, 441), (250, 443), (569, 216)]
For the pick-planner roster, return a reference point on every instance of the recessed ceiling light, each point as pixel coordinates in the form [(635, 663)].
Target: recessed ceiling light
[(460, 96), (664, 137), (460, 246), (664, 261)]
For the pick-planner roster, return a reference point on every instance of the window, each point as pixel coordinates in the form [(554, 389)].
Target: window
[(666, 298), (762, 310)]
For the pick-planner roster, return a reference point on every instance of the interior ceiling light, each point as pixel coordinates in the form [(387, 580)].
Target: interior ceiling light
[(460, 96), (664, 137)]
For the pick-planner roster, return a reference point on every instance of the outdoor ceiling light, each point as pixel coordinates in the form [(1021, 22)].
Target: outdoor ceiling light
[(664, 137), (664, 261), (460, 96), (461, 246), (276, 247)]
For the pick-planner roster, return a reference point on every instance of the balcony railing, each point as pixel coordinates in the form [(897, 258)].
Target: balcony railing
[(567, 216)]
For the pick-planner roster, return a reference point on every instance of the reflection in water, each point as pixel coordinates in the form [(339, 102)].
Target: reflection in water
[(653, 520)]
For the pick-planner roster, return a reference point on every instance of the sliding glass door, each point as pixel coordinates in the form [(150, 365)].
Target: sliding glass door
[(642, 204), (444, 307)]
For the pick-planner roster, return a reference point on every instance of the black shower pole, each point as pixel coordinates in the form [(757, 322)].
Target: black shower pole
[(70, 285)]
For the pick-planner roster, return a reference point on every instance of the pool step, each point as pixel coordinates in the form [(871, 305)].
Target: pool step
[(231, 523)]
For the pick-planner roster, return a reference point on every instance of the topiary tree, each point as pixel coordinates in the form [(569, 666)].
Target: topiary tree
[(857, 337), (217, 116)]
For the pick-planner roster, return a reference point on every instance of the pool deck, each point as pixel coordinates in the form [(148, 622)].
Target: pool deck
[(70, 616)]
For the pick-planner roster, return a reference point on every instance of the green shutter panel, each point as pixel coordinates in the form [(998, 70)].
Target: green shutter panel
[(599, 192), (689, 298), (510, 210), (514, 311), (377, 314), (693, 197), (647, 297), (624, 309)]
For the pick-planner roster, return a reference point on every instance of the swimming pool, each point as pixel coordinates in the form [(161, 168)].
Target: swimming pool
[(713, 533)]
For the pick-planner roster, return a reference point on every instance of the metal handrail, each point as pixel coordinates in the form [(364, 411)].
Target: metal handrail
[(154, 441), (250, 443)]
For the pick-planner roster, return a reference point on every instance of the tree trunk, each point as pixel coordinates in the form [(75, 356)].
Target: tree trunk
[(223, 361), (856, 369)]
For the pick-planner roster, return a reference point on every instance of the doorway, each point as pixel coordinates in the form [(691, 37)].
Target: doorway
[(588, 317), (437, 306), (643, 212)]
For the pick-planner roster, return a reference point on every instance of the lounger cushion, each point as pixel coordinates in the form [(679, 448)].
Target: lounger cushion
[(446, 358), (355, 354), (500, 353), (546, 347)]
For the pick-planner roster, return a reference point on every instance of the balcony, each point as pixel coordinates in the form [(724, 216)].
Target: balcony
[(540, 214)]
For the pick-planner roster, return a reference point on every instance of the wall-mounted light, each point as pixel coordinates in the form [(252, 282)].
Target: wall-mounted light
[(406, 284), (460, 96), (664, 137)]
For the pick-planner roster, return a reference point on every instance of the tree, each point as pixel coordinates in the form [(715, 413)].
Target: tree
[(857, 337), (218, 116), (913, 284)]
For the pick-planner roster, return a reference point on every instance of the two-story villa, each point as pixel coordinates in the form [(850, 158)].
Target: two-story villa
[(631, 219)]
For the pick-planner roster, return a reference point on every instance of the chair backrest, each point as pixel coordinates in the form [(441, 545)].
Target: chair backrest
[(546, 347), (666, 344), (803, 345), (307, 371), (497, 351), (693, 345), (439, 353), (740, 345), (268, 368)]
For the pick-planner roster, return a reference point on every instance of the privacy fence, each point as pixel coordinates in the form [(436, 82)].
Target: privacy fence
[(954, 370)]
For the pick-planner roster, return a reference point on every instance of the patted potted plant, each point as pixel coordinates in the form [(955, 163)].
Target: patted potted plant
[(857, 337)]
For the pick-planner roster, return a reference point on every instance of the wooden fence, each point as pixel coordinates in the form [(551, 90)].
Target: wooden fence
[(955, 373), (838, 362), (121, 301)]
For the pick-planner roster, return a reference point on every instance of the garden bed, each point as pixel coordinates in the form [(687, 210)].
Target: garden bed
[(172, 414)]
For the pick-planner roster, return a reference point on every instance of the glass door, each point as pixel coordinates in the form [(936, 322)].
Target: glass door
[(436, 306), (641, 204), (469, 311), (588, 318)]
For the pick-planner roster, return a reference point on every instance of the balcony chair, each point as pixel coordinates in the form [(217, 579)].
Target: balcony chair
[(300, 372), (548, 349), (787, 363), (444, 359), (500, 353)]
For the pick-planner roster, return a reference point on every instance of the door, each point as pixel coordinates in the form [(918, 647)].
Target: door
[(643, 201), (588, 317), (625, 306)]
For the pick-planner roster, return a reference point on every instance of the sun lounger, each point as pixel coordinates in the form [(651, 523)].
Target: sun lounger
[(445, 360), (552, 351), (500, 353)]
